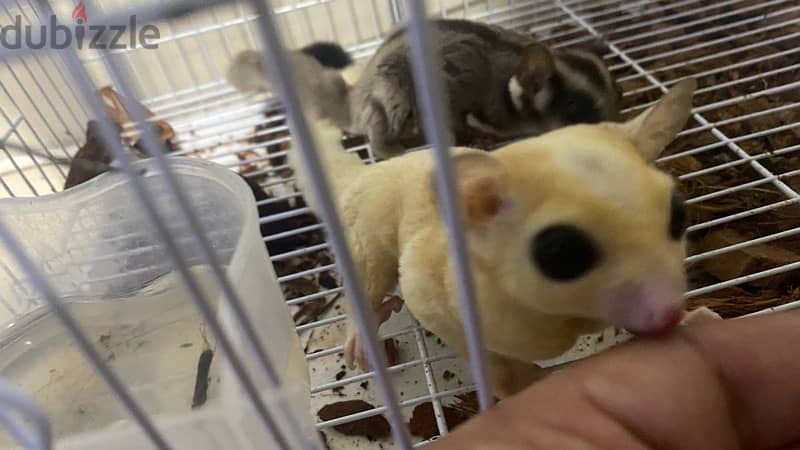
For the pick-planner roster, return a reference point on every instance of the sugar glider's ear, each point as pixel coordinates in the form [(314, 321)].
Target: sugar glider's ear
[(536, 68), (652, 130), (481, 183)]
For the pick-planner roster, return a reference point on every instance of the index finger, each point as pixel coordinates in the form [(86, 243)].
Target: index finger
[(719, 385), (757, 359)]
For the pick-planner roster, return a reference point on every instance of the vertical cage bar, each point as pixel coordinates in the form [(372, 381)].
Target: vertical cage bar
[(283, 74), (42, 90), (288, 29), (395, 11), (84, 343), (40, 437), (46, 73), (182, 53), (31, 155), (332, 22), (44, 94), (140, 85), (34, 133), (47, 100), (375, 19), (246, 23), (55, 62), (435, 121), (155, 149), (309, 25), (120, 154), (161, 64), (35, 106), (13, 161), (226, 44), (7, 188), (12, 125), (201, 39), (208, 257), (107, 135), (354, 21), (430, 380)]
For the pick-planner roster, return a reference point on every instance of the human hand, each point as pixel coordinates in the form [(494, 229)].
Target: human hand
[(716, 385)]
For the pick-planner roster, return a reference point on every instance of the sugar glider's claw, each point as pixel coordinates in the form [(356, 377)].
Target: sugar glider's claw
[(354, 354), (363, 362), (350, 351)]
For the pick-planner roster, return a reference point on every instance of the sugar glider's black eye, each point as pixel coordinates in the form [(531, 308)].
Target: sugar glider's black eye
[(564, 252), (677, 217)]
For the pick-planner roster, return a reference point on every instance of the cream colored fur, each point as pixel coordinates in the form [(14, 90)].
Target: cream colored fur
[(596, 177)]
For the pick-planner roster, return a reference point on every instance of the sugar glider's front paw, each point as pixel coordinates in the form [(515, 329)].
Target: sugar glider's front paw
[(699, 315), (354, 354)]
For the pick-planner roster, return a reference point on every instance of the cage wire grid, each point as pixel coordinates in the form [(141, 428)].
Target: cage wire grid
[(743, 53)]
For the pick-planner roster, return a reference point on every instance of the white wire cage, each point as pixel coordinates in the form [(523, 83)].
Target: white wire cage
[(735, 159)]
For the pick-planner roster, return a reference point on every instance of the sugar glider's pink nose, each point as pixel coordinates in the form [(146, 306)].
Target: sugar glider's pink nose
[(644, 308)]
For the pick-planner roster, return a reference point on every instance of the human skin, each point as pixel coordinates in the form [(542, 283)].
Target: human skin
[(713, 385)]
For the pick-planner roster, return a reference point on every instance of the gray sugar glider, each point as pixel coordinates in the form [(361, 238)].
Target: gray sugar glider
[(496, 80)]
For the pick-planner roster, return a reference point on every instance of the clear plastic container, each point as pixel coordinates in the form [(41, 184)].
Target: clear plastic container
[(104, 259)]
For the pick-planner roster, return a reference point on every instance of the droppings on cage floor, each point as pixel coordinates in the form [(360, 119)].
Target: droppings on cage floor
[(423, 419), (374, 427), (405, 374)]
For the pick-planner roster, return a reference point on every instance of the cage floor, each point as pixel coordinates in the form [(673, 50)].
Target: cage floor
[(433, 383)]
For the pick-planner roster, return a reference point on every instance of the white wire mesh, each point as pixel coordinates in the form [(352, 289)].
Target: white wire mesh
[(736, 159)]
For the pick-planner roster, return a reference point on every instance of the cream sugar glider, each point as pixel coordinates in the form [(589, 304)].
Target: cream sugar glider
[(568, 232)]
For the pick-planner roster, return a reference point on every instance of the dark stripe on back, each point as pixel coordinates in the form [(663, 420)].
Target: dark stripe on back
[(586, 66)]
